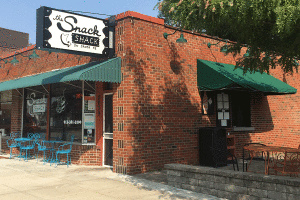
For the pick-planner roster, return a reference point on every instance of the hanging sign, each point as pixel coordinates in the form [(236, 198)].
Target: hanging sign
[(39, 108), (62, 30)]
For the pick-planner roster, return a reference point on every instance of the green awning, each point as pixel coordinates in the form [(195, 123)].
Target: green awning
[(107, 71), (219, 76)]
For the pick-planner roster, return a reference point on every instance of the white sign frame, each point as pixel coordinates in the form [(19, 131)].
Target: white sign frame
[(63, 31)]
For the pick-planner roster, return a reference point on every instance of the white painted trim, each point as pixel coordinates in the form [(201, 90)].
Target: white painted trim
[(103, 125)]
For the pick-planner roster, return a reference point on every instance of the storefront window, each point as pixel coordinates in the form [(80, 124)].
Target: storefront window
[(71, 111), (5, 112), (35, 110), (66, 111)]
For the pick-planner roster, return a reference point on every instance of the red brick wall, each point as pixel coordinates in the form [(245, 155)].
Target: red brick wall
[(162, 106), (86, 155), (161, 101), (16, 111)]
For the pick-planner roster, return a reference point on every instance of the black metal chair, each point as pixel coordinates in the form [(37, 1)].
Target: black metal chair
[(220, 157), (249, 156)]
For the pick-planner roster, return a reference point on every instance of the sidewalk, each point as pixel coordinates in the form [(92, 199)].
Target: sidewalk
[(32, 180)]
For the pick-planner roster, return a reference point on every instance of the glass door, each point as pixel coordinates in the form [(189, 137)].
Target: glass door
[(108, 130)]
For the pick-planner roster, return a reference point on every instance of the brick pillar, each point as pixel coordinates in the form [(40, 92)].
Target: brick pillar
[(16, 111), (99, 120)]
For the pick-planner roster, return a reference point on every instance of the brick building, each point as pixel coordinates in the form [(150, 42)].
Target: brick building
[(12, 40), (149, 112)]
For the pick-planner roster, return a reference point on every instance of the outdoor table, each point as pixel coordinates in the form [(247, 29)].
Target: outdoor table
[(267, 150), (22, 139), (52, 149)]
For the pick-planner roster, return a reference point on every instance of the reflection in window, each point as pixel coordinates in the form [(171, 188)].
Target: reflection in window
[(66, 111), (35, 109)]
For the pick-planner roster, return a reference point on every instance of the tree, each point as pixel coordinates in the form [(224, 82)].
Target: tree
[(270, 29)]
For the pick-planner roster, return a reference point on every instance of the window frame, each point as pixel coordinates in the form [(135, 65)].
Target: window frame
[(232, 95)]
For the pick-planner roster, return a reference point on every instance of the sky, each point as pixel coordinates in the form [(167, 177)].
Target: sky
[(20, 15)]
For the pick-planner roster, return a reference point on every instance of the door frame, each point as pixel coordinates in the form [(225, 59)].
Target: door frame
[(103, 134)]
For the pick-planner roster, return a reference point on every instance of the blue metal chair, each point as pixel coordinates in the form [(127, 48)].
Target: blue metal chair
[(11, 143), (29, 145), (41, 145), (62, 150), (44, 146)]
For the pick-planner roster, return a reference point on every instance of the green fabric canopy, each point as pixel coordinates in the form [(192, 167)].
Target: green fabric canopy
[(107, 71), (217, 76)]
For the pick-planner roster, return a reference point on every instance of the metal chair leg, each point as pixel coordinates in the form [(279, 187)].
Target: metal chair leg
[(25, 158), (44, 158), (10, 153), (20, 155), (56, 161), (67, 160)]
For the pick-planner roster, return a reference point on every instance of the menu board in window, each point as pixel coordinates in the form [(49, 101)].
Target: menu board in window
[(89, 119), (223, 115), (89, 104)]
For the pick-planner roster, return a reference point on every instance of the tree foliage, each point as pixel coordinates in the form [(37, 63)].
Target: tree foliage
[(270, 29)]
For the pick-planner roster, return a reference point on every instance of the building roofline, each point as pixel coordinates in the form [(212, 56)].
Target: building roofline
[(161, 21), (140, 16), (18, 51)]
